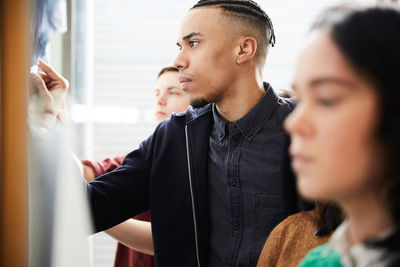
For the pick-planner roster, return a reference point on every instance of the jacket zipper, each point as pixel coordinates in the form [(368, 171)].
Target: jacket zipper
[(192, 196)]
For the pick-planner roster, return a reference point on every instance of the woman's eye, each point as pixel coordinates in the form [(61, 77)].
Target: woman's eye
[(328, 102)]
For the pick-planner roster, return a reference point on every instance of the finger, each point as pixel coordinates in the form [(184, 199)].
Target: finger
[(50, 72), (32, 84), (55, 85), (36, 80), (39, 83), (44, 77)]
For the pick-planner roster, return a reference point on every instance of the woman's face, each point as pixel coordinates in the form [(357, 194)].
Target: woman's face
[(333, 128), (169, 96)]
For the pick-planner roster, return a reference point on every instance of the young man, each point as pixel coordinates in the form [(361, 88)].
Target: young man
[(216, 178)]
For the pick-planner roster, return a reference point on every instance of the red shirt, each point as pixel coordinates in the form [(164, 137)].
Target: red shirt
[(124, 257)]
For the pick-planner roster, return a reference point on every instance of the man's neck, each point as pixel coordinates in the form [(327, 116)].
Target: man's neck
[(240, 100)]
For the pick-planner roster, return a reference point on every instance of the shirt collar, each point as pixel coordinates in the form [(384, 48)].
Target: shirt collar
[(219, 123), (250, 124), (358, 254)]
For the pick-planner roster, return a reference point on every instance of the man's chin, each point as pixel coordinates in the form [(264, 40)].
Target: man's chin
[(198, 103)]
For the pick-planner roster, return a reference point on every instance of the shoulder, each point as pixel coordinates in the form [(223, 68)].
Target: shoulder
[(292, 225), (289, 103), (290, 240), (286, 105), (281, 107), (178, 121), (285, 236), (192, 113), (173, 127)]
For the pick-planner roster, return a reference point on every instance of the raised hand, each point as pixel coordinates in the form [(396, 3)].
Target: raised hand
[(47, 100), (50, 88)]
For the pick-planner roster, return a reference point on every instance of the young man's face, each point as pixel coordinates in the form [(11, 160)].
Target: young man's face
[(206, 56)]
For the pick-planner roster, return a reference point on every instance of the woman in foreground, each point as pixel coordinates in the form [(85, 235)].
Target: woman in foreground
[(345, 133)]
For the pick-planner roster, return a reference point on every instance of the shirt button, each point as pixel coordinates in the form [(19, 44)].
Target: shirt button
[(236, 226), (233, 182), (249, 134)]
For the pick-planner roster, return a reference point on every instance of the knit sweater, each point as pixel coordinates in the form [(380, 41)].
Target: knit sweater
[(291, 240)]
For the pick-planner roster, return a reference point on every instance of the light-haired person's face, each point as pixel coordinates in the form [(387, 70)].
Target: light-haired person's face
[(206, 56), (335, 152), (169, 96)]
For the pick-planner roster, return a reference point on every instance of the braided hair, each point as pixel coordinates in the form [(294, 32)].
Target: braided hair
[(244, 8)]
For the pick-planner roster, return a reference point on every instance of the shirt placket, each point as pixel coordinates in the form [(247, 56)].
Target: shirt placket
[(235, 194)]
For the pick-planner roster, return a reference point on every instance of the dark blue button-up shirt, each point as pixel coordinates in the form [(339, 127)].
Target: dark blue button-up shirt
[(245, 182)]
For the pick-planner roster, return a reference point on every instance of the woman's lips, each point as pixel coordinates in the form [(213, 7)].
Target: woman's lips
[(300, 161)]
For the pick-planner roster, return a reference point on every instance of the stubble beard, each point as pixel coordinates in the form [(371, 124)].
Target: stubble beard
[(215, 97), (199, 103)]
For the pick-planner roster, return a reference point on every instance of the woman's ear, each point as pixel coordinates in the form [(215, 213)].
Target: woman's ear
[(247, 49)]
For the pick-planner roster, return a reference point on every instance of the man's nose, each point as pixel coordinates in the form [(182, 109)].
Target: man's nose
[(161, 100), (181, 61)]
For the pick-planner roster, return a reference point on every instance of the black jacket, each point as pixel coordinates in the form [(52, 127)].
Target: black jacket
[(167, 175)]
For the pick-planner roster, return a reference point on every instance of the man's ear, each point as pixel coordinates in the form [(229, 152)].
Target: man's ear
[(247, 49)]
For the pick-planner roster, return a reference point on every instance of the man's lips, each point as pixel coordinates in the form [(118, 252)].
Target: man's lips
[(184, 81)]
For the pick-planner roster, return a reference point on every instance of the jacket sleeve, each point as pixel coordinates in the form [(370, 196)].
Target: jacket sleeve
[(119, 195)]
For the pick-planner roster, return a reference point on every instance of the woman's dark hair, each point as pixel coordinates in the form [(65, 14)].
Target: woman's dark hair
[(330, 216), (369, 38)]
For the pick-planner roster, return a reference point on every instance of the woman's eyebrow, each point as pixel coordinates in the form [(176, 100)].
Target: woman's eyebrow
[(316, 83)]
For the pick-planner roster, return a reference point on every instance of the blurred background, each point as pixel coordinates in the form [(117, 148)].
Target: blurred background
[(111, 52)]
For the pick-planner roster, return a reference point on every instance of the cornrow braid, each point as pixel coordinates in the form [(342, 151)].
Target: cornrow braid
[(247, 7)]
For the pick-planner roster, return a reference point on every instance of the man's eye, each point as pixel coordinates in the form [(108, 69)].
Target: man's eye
[(193, 43), (174, 93)]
